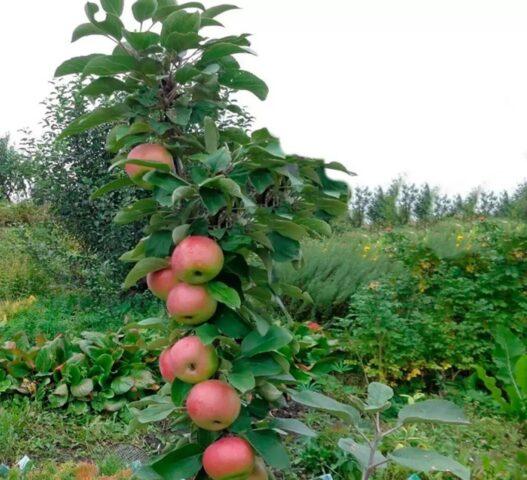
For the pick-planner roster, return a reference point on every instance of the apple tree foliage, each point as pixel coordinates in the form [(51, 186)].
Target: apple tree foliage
[(169, 82)]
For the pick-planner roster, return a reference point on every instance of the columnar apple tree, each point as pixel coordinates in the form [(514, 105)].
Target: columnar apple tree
[(221, 206)]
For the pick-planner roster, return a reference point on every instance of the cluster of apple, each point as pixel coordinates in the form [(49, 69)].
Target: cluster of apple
[(212, 404)]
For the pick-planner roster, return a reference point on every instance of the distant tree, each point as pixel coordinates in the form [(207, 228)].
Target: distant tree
[(406, 202), (15, 172), (424, 203), (359, 205)]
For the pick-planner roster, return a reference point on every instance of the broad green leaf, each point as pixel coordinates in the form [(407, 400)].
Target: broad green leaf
[(213, 200), (154, 413), (207, 333), (316, 225), (158, 244), (243, 80), (121, 385), (322, 402), (94, 119), (219, 50), (230, 323), (242, 380), (428, 462), (141, 40), (293, 425), (179, 42), (332, 206), (269, 446), (179, 392), (337, 166), (492, 385), (434, 411), (165, 180), (275, 338), (75, 65), (85, 30), (261, 365), (44, 360), (112, 25), (219, 161), (261, 180), (144, 9), (218, 10), (224, 294), (180, 233), (110, 65), (361, 452), (211, 135), (104, 86), (288, 229), (379, 396), (184, 462), (82, 389), (181, 21), (114, 7), (284, 249), (136, 211), (143, 268)]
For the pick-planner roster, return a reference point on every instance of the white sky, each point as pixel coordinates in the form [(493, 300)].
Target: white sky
[(435, 90)]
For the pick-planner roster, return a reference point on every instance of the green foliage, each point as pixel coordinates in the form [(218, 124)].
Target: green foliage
[(366, 445), (235, 186), (427, 304), (15, 172), (98, 371), (67, 172), (509, 388)]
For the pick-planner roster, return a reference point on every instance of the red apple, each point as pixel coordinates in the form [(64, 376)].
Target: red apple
[(259, 472), (230, 458), (190, 304), (161, 282), (197, 260), (189, 360), (151, 152), (213, 405)]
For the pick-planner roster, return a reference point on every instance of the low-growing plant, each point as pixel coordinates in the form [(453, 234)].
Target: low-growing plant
[(366, 446), (508, 384), (97, 371)]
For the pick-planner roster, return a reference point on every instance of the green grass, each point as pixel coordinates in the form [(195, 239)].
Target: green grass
[(74, 312)]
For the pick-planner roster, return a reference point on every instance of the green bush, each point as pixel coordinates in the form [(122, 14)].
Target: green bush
[(334, 269), (418, 303)]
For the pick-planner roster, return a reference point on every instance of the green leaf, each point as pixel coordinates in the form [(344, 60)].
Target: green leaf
[(180, 233), (268, 445), (158, 244), (337, 166), (288, 229), (85, 30), (207, 333), (144, 9), (230, 323), (293, 425), (143, 268), (44, 360), (219, 161), (212, 135), (243, 80), (155, 413), (184, 462), (434, 411), (361, 452), (218, 10), (224, 294), (112, 25), (242, 380), (379, 396), (261, 180), (110, 65), (180, 42), (82, 389), (104, 86), (285, 249), (75, 65), (275, 338), (332, 206), (141, 40), (179, 392), (181, 21), (121, 385), (213, 200), (94, 119), (114, 7), (492, 385), (316, 225), (261, 365), (428, 462), (219, 50), (520, 371), (322, 402), (111, 187), (166, 181), (136, 211)]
